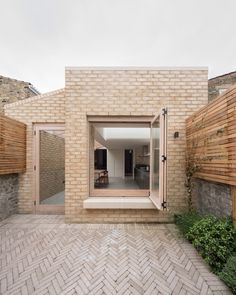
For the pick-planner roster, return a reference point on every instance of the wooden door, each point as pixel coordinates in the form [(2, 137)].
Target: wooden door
[(49, 168)]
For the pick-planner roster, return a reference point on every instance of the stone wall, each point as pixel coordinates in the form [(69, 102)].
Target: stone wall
[(52, 164), (218, 85), (212, 198), (8, 195), (12, 90)]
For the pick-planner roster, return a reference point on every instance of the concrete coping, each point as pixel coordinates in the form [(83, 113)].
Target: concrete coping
[(118, 203), (136, 68), (33, 98)]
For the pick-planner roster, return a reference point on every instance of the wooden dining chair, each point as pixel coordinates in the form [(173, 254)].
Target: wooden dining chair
[(104, 178)]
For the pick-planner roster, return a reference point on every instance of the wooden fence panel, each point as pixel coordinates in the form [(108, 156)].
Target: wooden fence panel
[(211, 139), (12, 146)]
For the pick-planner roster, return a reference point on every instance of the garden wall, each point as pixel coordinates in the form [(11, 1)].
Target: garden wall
[(211, 146), (212, 198), (8, 195), (12, 161), (12, 146)]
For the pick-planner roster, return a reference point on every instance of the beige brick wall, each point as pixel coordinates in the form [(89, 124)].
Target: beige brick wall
[(132, 92), (113, 92), (46, 108), (52, 164)]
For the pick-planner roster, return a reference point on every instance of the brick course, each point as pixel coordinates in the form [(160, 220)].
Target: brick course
[(113, 92), (52, 164)]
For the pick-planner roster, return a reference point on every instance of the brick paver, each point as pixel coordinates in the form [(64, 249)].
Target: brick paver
[(39, 254)]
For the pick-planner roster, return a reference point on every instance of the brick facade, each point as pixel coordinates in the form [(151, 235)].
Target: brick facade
[(52, 164), (131, 92), (113, 92)]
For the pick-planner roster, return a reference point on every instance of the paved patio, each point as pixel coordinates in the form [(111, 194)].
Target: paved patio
[(39, 254)]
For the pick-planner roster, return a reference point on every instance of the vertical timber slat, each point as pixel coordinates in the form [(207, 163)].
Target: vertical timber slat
[(211, 141)]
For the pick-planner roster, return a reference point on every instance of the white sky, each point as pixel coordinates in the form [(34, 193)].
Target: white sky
[(40, 37)]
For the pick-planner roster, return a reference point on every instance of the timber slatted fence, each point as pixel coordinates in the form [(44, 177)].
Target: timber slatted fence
[(12, 146), (211, 139)]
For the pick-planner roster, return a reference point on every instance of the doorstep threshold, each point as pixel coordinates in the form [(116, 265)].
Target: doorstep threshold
[(118, 203)]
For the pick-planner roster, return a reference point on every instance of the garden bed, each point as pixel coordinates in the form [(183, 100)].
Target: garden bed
[(215, 240)]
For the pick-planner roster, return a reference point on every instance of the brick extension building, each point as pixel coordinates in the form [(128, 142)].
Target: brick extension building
[(109, 186)]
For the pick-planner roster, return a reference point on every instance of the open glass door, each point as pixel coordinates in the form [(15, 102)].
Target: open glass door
[(49, 168), (158, 164)]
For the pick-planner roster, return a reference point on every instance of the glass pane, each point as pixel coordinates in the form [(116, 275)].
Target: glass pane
[(51, 167), (155, 158), (121, 157)]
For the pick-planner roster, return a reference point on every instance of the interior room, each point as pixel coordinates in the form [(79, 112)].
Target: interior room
[(122, 156)]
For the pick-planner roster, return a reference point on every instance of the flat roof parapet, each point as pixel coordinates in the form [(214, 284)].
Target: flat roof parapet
[(134, 68)]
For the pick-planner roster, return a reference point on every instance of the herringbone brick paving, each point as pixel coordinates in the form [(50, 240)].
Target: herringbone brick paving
[(39, 254)]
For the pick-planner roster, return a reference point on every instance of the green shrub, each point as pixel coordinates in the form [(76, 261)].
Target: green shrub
[(215, 239), (186, 220), (228, 274)]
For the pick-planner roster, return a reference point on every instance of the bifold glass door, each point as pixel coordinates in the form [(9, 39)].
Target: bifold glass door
[(49, 168), (158, 164)]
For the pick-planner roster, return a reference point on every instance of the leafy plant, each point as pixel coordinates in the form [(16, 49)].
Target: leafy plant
[(192, 166), (228, 274), (186, 220), (215, 239)]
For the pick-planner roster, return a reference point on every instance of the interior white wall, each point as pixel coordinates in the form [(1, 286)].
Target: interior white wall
[(115, 162), (123, 133)]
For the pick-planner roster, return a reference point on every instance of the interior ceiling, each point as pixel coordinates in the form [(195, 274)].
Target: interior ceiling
[(122, 138)]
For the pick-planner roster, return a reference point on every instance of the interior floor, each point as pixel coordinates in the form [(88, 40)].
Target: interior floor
[(57, 199), (121, 183)]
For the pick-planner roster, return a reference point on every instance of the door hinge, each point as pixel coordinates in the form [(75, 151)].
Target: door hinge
[(164, 205), (34, 132), (34, 167), (163, 158), (164, 111), (34, 203)]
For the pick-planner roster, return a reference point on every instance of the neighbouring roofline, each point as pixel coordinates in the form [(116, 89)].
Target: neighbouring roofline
[(28, 84), (134, 68), (33, 98), (223, 75), (13, 79), (33, 89)]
